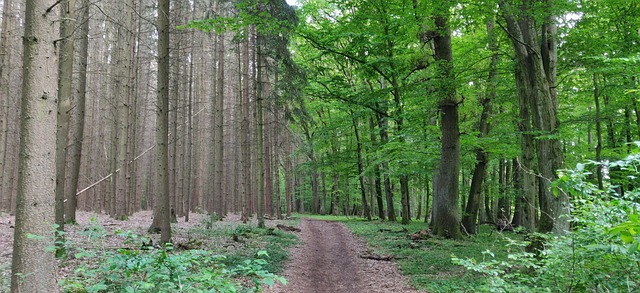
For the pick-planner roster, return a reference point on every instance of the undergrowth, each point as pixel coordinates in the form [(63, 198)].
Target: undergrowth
[(601, 252), (216, 258)]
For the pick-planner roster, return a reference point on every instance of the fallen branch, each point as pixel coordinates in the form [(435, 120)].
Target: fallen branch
[(377, 257), (404, 230), (288, 228)]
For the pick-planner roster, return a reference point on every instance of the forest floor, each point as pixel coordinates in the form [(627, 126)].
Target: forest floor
[(331, 259), (137, 223), (328, 259)]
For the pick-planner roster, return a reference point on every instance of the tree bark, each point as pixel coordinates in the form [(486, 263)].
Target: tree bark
[(75, 149), (65, 72), (219, 129), (33, 266), (537, 57), (5, 63), (445, 196), (244, 130), (260, 118), (288, 171), (162, 214)]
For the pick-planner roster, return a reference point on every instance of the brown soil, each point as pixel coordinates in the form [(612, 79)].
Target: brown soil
[(328, 261)]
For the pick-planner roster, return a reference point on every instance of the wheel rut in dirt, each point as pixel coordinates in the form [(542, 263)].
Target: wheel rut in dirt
[(328, 261)]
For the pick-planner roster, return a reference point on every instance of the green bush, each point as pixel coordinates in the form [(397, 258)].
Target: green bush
[(600, 254)]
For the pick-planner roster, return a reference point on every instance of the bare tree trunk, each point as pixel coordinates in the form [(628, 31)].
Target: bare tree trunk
[(189, 144), (244, 130), (161, 211), (174, 101), (219, 147), (5, 196), (276, 160), (288, 171), (123, 85), (267, 151), (65, 72), (33, 266), (260, 122), (75, 149)]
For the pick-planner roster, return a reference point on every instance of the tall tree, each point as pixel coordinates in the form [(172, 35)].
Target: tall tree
[(532, 29), (219, 127), (446, 217), (65, 73), (33, 266), (77, 133), (4, 91), (162, 214), (260, 121), (482, 157), (366, 212)]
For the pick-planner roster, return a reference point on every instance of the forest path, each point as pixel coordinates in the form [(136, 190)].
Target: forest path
[(328, 261)]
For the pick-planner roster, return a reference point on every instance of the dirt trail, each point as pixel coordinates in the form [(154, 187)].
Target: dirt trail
[(328, 261)]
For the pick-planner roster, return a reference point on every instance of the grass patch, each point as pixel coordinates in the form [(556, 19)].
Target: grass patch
[(428, 263)]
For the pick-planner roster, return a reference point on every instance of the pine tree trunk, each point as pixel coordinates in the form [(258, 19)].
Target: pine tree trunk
[(161, 210), (33, 265), (65, 72), (244, 132), (75, 149), (260, 121), (219, 117), (5, 196), (288, 171)]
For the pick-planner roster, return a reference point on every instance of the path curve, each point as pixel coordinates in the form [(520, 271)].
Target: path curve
[(328, 261)]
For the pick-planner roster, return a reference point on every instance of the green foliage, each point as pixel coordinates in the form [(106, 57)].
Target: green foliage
[(600, 254), (141, 268)]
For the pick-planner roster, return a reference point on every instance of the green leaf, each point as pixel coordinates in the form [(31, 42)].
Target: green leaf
[(34, 236), (626, 237), (269, 281), (634, 247)]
